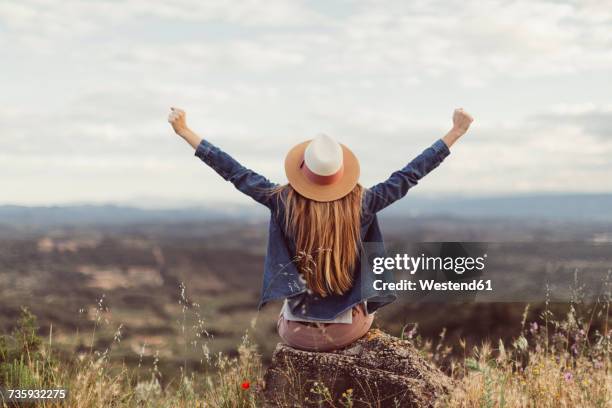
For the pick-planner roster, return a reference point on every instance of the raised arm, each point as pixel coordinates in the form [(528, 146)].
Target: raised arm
[(245, 180), (397, 185)]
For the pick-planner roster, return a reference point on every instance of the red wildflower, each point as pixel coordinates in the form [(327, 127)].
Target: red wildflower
[(245, 385)]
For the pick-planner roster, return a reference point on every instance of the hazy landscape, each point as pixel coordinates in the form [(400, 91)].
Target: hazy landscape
[(109, 268)]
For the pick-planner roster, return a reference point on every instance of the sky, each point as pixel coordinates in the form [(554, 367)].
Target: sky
[(86, 88)]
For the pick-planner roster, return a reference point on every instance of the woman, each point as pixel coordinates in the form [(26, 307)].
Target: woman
[(319, 222)]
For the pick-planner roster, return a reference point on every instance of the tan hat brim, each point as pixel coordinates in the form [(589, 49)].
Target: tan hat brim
[(319, 192)]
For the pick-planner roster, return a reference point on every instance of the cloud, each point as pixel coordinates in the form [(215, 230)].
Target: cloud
[(594, 120), (546, 151), (556, 152), (88, 86), (542, 153), (59, 17), (473, 41)]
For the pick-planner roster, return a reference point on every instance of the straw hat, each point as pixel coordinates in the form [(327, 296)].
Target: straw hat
[(322, 169)]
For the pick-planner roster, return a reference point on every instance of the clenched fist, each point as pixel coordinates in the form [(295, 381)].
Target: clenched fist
[(177, 118), (461, 123), (461, 120)]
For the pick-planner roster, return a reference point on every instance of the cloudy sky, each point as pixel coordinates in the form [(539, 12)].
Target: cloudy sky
[(85, 89)]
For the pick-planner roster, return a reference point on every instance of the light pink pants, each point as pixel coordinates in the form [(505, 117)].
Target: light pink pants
[(324, 336)]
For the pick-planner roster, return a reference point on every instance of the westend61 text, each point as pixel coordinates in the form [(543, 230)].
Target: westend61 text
[(428, 285)]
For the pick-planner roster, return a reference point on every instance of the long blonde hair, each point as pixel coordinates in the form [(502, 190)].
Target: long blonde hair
[(327, 238)]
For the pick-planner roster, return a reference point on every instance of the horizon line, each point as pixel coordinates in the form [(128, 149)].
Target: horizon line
[(169, 203)]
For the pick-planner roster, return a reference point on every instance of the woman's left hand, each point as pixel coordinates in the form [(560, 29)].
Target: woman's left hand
[(178, 119)]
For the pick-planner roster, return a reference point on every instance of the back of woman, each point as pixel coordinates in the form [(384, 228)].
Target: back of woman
[(319, 222), (326, 239)]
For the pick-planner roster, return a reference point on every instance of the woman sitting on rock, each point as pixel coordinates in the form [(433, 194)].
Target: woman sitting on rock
[(318, 224)]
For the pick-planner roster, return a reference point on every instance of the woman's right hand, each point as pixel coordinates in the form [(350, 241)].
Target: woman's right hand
[(461, 120), (461, 123), (178, 119)]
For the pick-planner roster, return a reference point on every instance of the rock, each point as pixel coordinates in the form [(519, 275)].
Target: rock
[(377, 370)]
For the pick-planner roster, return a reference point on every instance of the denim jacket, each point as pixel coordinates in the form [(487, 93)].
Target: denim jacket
[(281, 278)]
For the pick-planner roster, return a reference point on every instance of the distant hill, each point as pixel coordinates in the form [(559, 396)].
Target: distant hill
[(595, 207), (116, 214), (577, 207)]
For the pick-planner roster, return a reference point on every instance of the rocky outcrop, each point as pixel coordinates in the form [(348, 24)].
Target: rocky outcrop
[(377, 370)]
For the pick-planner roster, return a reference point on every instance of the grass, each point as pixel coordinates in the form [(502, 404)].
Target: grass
[(93, 379), (553, 362)]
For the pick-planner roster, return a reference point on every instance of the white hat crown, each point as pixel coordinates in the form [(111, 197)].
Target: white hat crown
[(323, 155)]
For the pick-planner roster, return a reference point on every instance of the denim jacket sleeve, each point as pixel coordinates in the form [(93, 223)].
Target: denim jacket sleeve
[(397, 185), (245, 180)]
